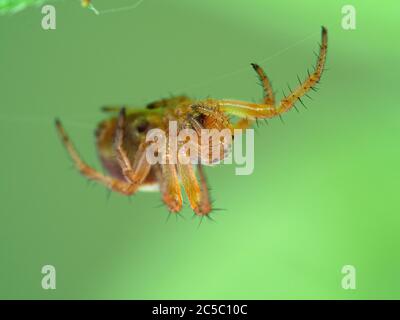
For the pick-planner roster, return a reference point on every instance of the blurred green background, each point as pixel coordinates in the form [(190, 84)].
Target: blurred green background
[(324, 192)]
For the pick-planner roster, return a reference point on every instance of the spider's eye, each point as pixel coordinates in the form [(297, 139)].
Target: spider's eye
[(201, 118), (142, 126)]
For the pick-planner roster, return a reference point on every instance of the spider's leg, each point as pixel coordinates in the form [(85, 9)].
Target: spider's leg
[(265, 110), (311, 80), (192, 189), (137, 172), (112, 183), (269, 97), (205, 203), (170, 188)]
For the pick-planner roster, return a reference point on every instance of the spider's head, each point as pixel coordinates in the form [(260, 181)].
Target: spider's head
[(215, 129), (209, 116)]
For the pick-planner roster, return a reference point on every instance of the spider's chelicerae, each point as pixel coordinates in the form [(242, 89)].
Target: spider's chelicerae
[(121, 139)]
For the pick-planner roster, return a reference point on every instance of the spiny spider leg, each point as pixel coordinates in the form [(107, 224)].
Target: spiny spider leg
[(90, 173), (266, 110), (169, 185), (192, 188), (205, 203)]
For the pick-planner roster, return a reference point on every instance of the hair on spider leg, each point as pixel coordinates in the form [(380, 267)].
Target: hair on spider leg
[(290, 89), (180, 215), (208, 216), (168, 216), (219, 209), (176, 214), (298, 78), (260, 83), (200, 222), (201, 218), (215, 210), (283, 93), (90, 183), (301, 101)]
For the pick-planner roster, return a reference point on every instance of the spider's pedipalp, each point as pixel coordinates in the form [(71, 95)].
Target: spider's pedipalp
[(137, 172), (190, 184), (197, 193)]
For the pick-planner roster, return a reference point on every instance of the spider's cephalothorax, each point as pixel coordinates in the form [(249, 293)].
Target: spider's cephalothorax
[(121, 140)]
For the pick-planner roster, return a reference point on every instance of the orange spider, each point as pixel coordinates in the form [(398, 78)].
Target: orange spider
[(121, 139)]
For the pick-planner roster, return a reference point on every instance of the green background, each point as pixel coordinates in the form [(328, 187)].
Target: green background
[(324, 193)]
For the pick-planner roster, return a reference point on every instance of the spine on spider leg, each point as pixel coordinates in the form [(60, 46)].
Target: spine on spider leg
[(312, 78)]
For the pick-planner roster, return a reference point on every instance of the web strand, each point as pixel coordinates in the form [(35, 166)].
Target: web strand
[(114, 10)]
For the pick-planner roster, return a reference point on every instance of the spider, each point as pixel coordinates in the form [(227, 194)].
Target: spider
[(121, 141)]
